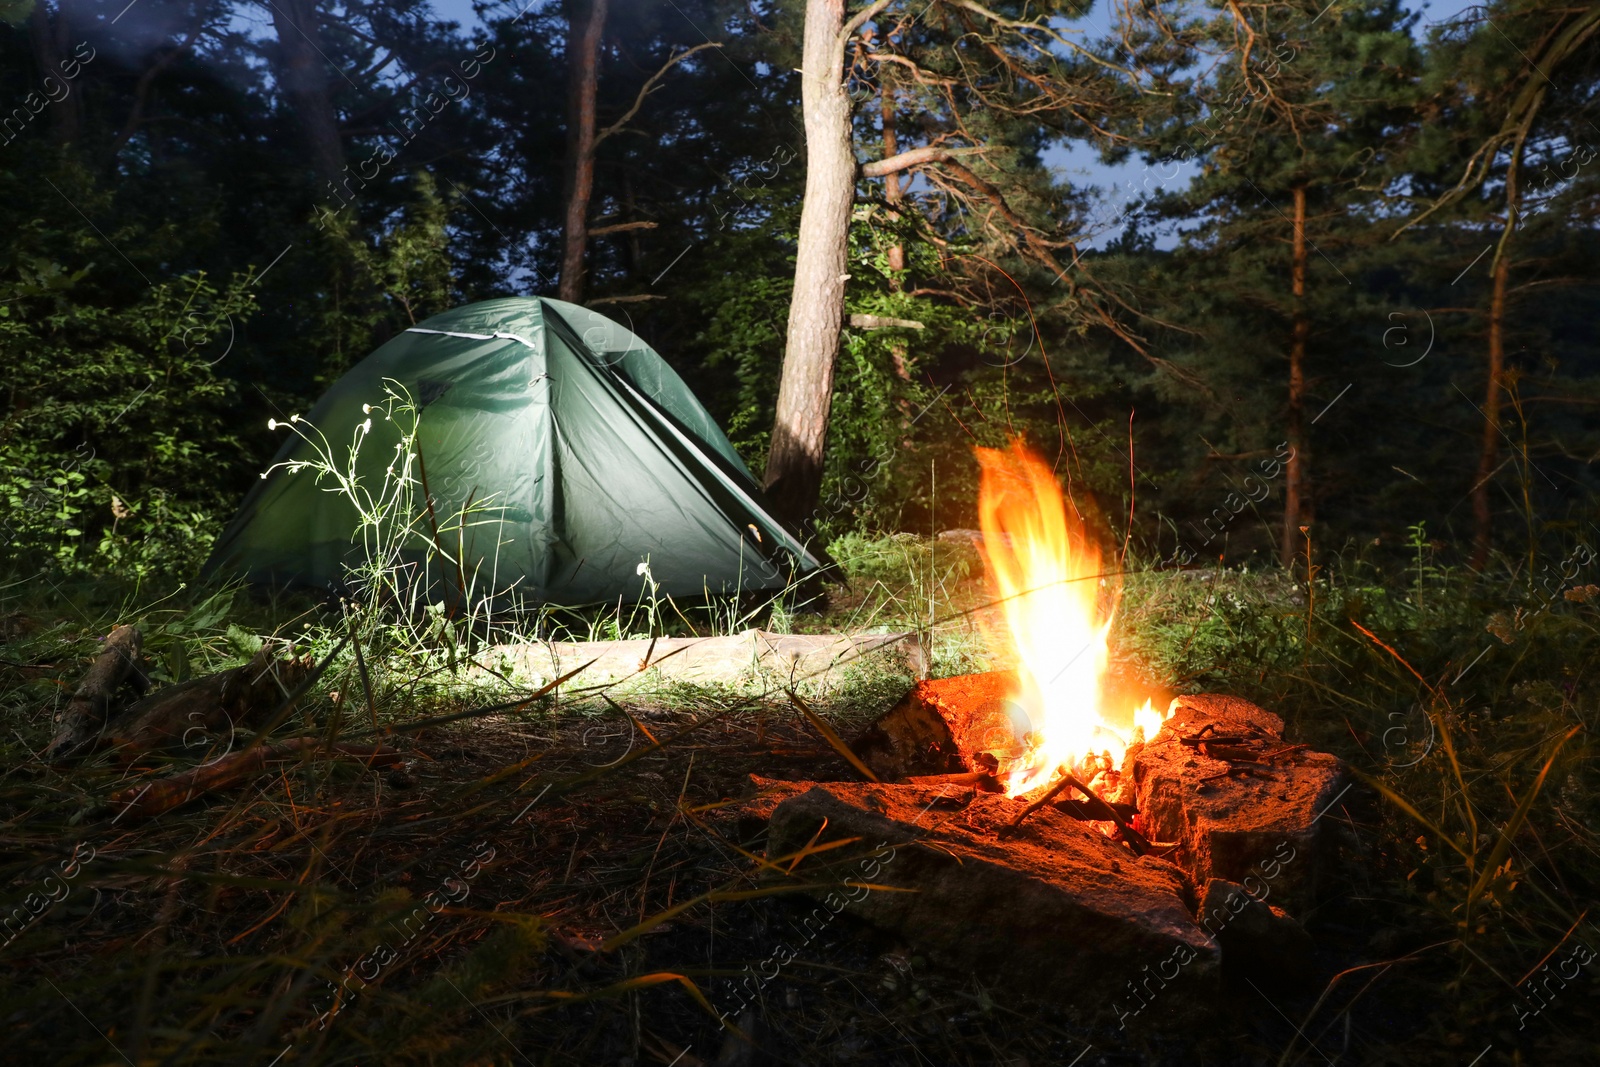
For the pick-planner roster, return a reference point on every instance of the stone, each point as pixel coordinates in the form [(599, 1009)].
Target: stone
[(941, 726), (1054, 909), (1254, 819), (1259, 942)]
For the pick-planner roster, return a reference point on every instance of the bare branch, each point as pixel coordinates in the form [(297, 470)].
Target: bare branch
[(859, 19), (880, 322), (620, 227), (636, 299), (914, 157), (649, 87)]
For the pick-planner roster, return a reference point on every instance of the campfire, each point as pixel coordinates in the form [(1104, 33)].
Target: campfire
[(1046, 575), (1053, 829)]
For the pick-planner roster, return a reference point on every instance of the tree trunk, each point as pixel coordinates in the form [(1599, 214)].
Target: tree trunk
[(816, 307), (1296, 506), (51, 39), (584, 27), (891, 181), (1489, 452), (303, 73), (891, 193)]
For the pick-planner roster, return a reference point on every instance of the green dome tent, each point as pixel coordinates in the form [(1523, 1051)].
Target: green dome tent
[(573, 450)]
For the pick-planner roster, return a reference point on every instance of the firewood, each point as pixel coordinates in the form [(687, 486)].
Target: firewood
[(187, 714), (986, 780), (96, 700), (1089, 811), (168, 793), (1231, 753), (1135, 840), (1215, 739)]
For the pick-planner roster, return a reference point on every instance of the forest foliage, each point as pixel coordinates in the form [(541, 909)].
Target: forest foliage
[(182, 264)]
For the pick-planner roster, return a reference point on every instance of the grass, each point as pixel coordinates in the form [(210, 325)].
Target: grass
[(554, 883)]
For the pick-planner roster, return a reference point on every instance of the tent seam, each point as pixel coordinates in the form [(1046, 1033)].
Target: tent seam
[(476, 336)]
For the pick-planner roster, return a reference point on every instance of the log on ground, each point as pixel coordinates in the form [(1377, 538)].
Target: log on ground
[(98, 697), (153, 798), (195, 714), (1055, 908)]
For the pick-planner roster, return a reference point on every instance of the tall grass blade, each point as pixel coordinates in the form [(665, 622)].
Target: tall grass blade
[(830, 736)]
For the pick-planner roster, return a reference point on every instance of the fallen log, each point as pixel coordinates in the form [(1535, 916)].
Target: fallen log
[(1249, 823), (193, 714), (1056, 906), (141, 802), (96, 700)]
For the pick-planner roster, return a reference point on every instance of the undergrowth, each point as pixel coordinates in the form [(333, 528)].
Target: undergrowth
[(292, 922)]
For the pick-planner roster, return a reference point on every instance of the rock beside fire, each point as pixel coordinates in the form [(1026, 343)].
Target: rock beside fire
[(940, 726), (1244, 804), (1259, 942), (1055, 908)]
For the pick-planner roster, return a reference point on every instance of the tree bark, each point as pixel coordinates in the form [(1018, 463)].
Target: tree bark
[(816, 306), (303, 74), (584, 27), (1296, 506)]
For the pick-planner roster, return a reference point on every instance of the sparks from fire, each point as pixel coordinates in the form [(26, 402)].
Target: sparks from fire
[(1046, 574)]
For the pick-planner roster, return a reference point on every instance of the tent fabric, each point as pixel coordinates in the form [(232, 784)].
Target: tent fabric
[(582, 453)]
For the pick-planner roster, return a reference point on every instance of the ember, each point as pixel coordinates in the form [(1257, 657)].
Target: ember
[(1046, 573)]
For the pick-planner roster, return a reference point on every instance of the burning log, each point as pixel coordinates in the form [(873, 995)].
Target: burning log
[(1093, 811), (1055, 905), (1231, 816), (943, 726), (1099, 808), (96, 698)]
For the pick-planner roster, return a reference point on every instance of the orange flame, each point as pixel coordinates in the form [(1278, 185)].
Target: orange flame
[(1046, 575)]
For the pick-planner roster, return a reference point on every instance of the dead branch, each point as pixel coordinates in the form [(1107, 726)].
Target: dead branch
[(880, 322), (141, 802), (638, 298), (649, 87), (93, 702), (914, 157), (621, 227), (184, 714)]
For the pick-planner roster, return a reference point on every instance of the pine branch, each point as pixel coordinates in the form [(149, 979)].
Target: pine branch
[(914, 157), (649, 87)]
